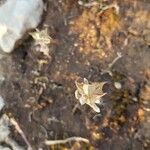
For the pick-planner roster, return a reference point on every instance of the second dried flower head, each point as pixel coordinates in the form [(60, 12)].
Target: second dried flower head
[(89, 93)]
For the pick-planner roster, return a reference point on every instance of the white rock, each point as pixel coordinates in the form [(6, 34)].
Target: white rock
[(4, 128), (4, 148), (2, 103), (135, 99), (16, 18), (4, 135), (118, 85)]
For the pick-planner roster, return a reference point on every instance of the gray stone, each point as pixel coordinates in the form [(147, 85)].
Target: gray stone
[(16, 18)]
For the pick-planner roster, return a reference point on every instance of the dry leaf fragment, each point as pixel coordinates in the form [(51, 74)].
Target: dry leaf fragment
[(89, 94), (43, 39)]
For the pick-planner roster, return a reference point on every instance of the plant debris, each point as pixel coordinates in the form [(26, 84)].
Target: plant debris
[(43, 40), (54, 142), (89, 94)]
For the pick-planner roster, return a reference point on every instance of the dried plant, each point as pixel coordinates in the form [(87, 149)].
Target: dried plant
[(43, 39), (89, 94)]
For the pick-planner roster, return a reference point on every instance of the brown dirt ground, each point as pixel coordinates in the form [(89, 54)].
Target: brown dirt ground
[(85, 40)]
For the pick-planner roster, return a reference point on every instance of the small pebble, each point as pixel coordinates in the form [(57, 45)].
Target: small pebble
[(97, 117), (135, 99), (2, 78), (2, 103), (118, 85)]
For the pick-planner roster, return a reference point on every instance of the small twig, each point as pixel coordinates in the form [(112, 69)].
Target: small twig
[(119, 55), (45, 131), (110, 65), (54, 142), (30, 116), (17, 127), (75, 108), (89, 4), (54, 119)]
